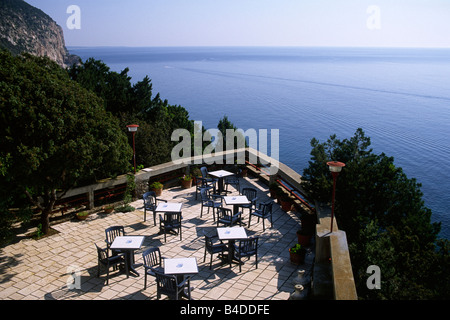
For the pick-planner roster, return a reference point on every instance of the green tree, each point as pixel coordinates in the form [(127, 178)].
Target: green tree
[(135, 103), (55, 133), (384, 216)]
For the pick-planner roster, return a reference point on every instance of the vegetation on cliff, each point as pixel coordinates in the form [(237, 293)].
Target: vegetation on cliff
[(385, 219)]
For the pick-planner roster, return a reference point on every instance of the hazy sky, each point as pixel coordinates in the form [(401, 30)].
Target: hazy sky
[(390, 23)]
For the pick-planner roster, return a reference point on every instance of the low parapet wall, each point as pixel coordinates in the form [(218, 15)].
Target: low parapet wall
[(332, 260)]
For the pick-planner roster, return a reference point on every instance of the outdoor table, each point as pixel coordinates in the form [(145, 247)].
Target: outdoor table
[(236, 201), (231, 234), (169, 207), (220, 174), (180, 267), (128, 244)]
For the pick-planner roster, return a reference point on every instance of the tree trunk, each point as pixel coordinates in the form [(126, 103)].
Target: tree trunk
[(45, 220)]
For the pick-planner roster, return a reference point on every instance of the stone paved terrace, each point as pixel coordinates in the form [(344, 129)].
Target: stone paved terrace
[(39, 269)]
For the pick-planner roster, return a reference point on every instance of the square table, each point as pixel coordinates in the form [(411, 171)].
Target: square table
[(236, 201), (128, 244), (220, 174), (180, 266), (169, 207), (231, 234)]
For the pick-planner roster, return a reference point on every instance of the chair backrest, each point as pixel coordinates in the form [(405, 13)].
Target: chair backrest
[(208, 242), (152, 257), (149, 198), (101, 253), (224, 212), (204, 194), (204, 171), (172, 218), (166, 284), (250, 193), (267, 207), (248, 246), (113, 232)]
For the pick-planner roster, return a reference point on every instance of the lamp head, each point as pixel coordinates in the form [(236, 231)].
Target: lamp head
[(335, 166), (132, 127)]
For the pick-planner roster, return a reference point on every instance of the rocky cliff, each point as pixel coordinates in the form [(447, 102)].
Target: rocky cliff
[(24, 28)]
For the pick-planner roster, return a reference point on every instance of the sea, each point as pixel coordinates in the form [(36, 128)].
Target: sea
[(400, 97)]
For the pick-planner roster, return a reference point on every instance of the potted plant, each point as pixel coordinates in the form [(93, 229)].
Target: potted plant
[(82, 215), (286, 202), (304, 237), (108, 209), (186, 181), (157, 187), (297, 254), (273, 188)]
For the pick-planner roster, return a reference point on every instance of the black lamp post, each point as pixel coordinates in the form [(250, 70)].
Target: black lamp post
[(133, 128), (335, 167)]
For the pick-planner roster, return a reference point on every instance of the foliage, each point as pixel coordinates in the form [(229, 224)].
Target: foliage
[(134, 103), (297, 248), (156, 185), (55, 133), (186, 177), (384, 216)]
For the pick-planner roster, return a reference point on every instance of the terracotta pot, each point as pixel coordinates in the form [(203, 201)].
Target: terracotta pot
[(286, 205), (81, 218), (108, 209), (303, 239), (297, 258), (186, 184), (158, 192)]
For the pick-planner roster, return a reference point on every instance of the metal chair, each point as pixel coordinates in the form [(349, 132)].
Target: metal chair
[(150, 204), (105, 260), (152, 263), (212, 248), (246, 248), (169, 286), (209, 200), (170, 222), (250, 193), (264, 211), (226, 217)]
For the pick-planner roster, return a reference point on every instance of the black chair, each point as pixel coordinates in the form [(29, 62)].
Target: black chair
[(226, 217), (234, 181), (170, 223), (111, 234), (209, 180), (250, 193), (209, 200), (200, 184), (152, 263), (246, 248), (150, 204), (169, 286), (105, 260), (212, 248), (264, 211)]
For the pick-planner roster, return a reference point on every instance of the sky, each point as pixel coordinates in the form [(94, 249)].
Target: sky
[(354, 23)]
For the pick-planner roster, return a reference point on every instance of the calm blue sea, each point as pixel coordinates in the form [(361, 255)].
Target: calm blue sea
[(400, 97)]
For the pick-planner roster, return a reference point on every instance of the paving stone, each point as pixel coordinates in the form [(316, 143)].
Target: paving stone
[(41, 269)]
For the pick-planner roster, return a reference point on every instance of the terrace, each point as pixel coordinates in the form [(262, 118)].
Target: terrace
[(41, 270)]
